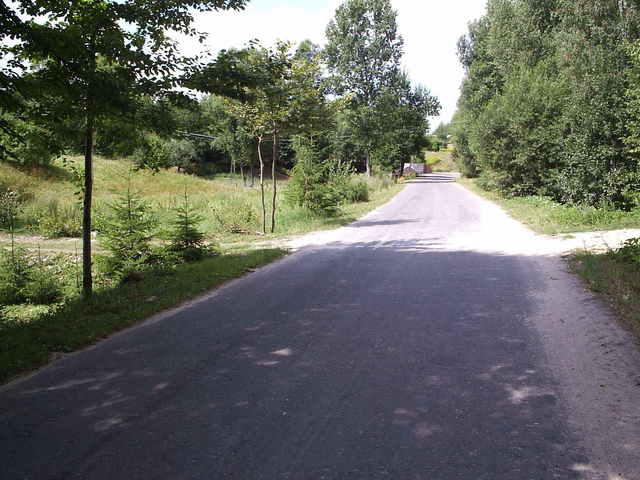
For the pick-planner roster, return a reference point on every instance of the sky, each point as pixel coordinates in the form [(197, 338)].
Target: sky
[(430, 29)]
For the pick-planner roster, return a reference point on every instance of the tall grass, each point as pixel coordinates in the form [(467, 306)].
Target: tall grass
[(228, 206)]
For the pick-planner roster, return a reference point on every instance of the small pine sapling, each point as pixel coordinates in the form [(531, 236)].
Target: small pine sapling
[(127, 234), (43, 287), (187, 240), (15, 265)]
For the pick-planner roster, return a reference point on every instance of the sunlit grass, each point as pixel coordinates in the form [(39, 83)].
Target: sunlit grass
[(546, 216)]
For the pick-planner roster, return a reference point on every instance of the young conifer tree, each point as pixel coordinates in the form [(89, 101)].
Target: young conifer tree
[(186, 238)]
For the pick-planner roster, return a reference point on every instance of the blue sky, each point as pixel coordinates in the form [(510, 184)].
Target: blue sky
[(430, 29)]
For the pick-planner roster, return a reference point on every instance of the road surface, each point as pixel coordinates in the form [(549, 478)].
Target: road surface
[(434, 339)]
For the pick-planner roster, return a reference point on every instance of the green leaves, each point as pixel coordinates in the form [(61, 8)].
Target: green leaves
[(543, 108), (364, 48)]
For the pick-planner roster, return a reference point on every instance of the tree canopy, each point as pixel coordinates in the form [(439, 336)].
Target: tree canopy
[(548, 100)]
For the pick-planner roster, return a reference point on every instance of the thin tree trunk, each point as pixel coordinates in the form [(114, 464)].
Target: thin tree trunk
[(367, 163), (244, 177), (87, 279), (264, 208), (274, 152)]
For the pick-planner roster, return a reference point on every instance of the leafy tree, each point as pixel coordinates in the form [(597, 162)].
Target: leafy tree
[(363, 53), (283, 95), (95, 57), (545, 106), (402, 123), (231, 133)]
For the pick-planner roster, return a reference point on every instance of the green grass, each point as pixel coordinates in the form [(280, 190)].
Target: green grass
[(31, 335), (444, 161), (546, 216), (223, 200), (618, 280)]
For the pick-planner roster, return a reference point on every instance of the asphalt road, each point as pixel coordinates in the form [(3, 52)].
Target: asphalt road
[(426, 341)]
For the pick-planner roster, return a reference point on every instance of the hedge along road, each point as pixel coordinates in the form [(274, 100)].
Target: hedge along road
[(436, 338)]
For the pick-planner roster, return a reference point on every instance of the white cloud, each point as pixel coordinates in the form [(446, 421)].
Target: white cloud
[(430, 30)]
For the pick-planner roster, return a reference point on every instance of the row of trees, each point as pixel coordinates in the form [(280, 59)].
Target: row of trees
[(549, 105), (83, 72)]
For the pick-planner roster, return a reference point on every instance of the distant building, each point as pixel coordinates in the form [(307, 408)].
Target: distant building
[(417, 168)]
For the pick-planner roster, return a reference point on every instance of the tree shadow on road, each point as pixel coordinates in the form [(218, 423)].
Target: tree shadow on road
[(416, 364)]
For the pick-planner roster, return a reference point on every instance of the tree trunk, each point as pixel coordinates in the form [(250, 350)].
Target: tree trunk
[(274, 152), (87, 279), (264, 208), (244, 177), (367, 163)]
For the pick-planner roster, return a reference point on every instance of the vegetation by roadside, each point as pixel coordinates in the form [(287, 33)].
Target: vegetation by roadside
[(161, 239), (31, 335), (230, 209), (547, 216), (615, 274)]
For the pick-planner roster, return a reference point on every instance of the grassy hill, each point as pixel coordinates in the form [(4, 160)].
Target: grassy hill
[(441, 161), (230, 209)]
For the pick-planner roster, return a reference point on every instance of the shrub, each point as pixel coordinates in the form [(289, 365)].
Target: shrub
[(15, 273), (236, 215), (357, 191), (320, 186), (630, 251)]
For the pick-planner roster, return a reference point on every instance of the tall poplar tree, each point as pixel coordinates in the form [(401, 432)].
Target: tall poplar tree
[(363, 53)]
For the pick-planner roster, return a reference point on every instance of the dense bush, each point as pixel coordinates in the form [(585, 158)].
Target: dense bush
[(630, 251), (235, 215), (549, 101), (320, 186), (357, 190)]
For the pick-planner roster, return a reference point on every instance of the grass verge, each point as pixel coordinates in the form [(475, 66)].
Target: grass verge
[(31, 335), (546, 216), (617, 280)]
